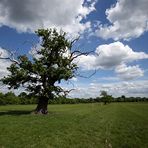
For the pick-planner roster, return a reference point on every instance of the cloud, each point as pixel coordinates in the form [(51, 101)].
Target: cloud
[(117, 88), (3, 69), (108, 79), (29, 15), (114, 56), (129, 72), (128, 18), (87, 62), (129, 89), (74, 79), (4, 63)]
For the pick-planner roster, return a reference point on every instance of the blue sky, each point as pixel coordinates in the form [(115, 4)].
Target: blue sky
[(116, 30)]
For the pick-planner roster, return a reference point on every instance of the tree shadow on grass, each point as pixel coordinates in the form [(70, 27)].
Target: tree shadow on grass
[(15, 112)]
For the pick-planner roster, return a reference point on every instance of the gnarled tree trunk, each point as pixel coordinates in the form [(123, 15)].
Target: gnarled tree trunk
[(42, 106)]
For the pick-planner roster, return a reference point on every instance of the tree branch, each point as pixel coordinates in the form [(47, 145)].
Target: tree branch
[(11, 57), (87, 76), (61, 90), (74, 41), (66, 92), (87, 53), (78, 53)]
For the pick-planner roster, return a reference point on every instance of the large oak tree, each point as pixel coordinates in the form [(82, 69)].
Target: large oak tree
[(55, 62)]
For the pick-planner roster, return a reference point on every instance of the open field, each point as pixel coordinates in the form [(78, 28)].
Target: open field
[(117, 125)]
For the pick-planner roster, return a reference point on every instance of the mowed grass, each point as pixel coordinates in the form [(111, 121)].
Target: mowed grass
[(117, 125)]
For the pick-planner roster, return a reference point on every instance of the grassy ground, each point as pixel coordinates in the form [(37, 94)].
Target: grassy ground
[(117, 125)]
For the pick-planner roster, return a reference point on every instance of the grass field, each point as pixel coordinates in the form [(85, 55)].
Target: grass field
[(117, 125)]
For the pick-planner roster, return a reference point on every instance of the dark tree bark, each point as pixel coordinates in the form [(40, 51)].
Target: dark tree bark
[(42, 106)]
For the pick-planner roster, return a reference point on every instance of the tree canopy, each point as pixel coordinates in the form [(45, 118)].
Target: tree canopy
[(105, 97), (39, 74)]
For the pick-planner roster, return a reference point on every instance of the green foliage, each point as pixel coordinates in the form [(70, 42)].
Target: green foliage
[(11, 98), (2, 101), (24, 98), (39, 75), (105, 97)]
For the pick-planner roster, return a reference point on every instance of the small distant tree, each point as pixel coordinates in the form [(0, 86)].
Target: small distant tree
[(105, 97), (23, 95), (39, 75), (2, 101), (123, 98), (11, 98), (25, 99)]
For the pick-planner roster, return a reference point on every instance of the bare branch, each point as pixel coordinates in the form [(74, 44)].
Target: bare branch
[(78, 53), (74, 41), (87, 76), (66, 92), (98, 54), (70, 83), (61, 90), (11, 57)]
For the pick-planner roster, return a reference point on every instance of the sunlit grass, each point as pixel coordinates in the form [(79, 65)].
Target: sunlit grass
[(115, 125)]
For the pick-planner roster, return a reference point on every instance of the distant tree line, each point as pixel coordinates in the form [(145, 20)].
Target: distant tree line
[(11, 98), (23, 98)]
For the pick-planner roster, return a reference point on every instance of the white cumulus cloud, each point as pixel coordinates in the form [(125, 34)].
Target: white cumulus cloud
[(29, 15), (114, 56), (129, 89), (4, 63), (128, 18), (128, 72)]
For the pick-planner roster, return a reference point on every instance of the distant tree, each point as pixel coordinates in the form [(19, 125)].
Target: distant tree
[(98, 99), (11, 98), (105, 97), (123, 98), (55, 62), (24, 98), (23, 95), (2, 101)]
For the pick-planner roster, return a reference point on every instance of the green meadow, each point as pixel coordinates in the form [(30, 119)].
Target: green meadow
[(116, 125)]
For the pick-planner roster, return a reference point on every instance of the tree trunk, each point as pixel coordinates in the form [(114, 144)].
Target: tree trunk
[(42, 106)]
